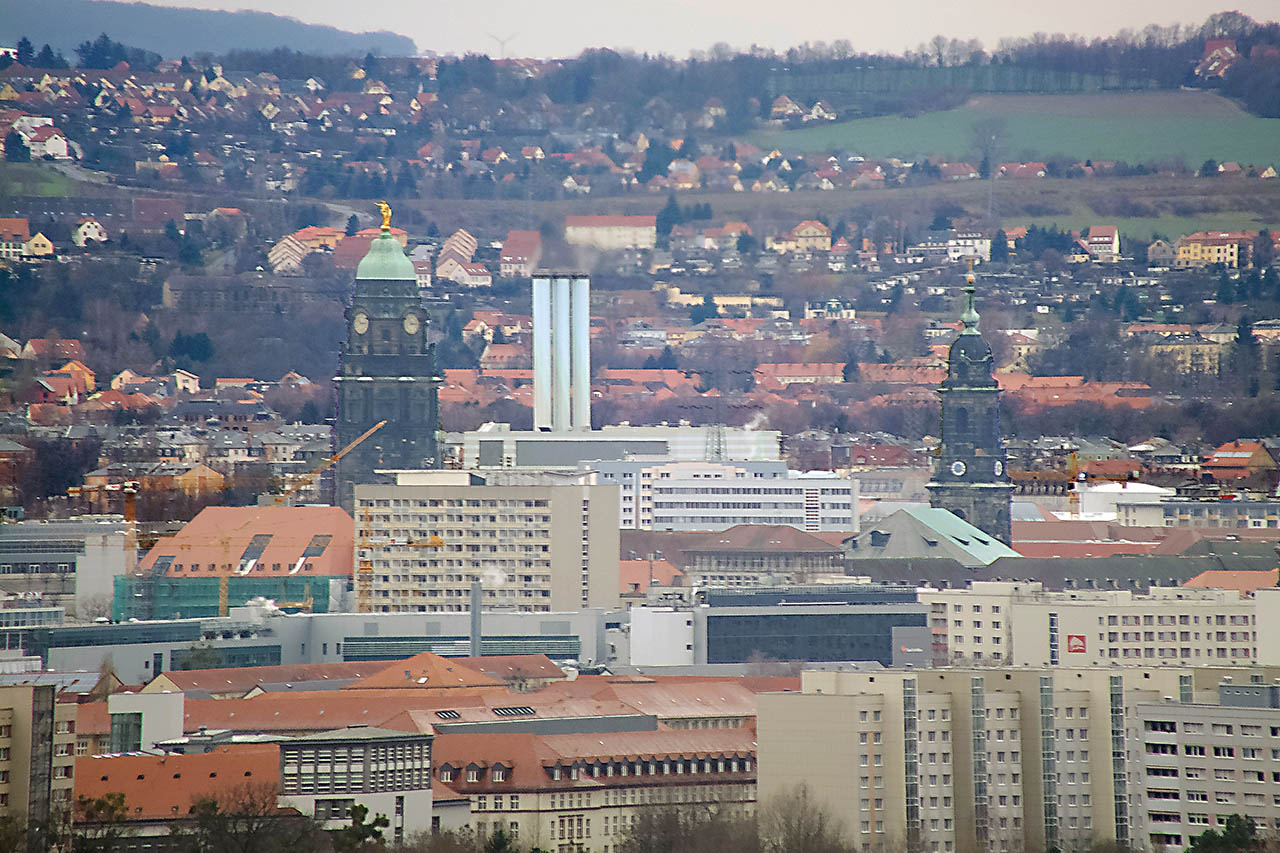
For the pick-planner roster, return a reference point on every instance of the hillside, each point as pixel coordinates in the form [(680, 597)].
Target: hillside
[(1135, 127), (173, 32)]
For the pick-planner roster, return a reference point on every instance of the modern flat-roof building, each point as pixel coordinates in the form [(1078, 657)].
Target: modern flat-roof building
[(537, 542), (70, 563), (498, 446), (664, 495), (1022, 624), (856, 622)]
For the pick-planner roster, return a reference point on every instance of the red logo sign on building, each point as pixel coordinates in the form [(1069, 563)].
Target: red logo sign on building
[(1075, 644)]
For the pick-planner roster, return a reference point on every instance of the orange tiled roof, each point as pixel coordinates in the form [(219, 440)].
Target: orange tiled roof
[(1241, 581), (427, 670)]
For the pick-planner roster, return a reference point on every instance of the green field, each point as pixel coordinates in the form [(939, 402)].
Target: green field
[(1133, 127), (33, 179), (1145, 229)]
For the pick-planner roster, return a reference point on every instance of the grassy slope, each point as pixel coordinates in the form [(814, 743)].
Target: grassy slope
[(1135, 127), (32, 179)]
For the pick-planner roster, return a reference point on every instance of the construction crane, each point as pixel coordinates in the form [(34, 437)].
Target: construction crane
[(364, 558), (308, 478)]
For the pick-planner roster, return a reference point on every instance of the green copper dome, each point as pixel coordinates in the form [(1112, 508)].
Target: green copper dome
[(386, 260)]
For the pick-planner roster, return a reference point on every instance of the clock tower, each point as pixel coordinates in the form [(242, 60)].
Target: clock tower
[(387, 371), (969, 476)]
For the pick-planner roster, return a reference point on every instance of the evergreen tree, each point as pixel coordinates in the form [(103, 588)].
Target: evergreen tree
[(16, 149), (353, 225), (47, 58), (26, 52), (670, 216), (851, 372), (704, 311), (1226, 290), (1000, 246)]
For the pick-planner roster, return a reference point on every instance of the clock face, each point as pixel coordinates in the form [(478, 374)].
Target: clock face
[(360, 323), (411, 324), (999, 467), (958, 468)]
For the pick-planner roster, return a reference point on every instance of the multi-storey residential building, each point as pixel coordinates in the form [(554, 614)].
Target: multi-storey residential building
[(664, 495), (1202, 758), (498, 446), (538, 542), (968, 760), (37, 751), (1209, 247), (1022, 624), (577, 792), (611, 233), (968, 244), (1193, 512)]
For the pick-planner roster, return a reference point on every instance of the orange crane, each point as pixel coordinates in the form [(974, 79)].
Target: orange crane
[(308, 478)]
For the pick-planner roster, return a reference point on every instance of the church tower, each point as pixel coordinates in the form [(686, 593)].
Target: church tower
[(969, 477), (387, 370)]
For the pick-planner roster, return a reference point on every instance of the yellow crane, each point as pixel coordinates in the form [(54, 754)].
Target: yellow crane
[(308, 478)]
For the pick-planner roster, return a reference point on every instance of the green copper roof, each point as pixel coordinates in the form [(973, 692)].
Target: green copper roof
[(386, 260)]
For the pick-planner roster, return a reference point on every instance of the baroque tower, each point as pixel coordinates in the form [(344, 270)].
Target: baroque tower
[(969, 477), (387, 371)]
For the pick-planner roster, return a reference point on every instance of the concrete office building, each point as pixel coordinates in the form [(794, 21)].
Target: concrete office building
[(862, 622), (1204, 758), (254, 636), (968, 760), (498, 446), (70, 563), (561, 352), (1191, 512), (537, 542), (1021, 623), (389, 772), (663, 495)]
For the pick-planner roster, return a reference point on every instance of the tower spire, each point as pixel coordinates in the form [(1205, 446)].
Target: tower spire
[(970, 315)]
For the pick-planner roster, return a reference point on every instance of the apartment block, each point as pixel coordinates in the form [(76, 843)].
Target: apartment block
[(969, 759), (666, 495), (536, 541), (1184, 512), (1021, 623), (37, 751), (1204, 758)]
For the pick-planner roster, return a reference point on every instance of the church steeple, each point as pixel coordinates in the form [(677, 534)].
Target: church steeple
[(970, 478), (387, 368)]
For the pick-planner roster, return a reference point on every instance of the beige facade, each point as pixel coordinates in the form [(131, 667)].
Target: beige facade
[(37, 752), (537, 542), (1021, 624), (611, 233), (967, 760)]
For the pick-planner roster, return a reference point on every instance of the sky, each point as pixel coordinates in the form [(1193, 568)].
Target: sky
[(550, 28)]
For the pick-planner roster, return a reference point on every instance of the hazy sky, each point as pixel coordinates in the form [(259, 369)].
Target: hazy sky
[(565, 27)]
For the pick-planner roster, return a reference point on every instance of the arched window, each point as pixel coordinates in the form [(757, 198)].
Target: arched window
[(962, 420)]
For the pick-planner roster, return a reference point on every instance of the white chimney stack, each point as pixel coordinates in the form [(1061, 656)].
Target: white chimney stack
[(561, 352)]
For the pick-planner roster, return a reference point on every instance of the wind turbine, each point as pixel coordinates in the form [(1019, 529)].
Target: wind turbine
[(502, 43)]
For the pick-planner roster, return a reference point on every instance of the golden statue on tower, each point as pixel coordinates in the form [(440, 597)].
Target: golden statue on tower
[(385, 210)]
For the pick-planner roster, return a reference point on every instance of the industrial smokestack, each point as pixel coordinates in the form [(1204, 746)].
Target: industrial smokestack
[(581, 344), (541, 353), (561, 341), (477, 596)]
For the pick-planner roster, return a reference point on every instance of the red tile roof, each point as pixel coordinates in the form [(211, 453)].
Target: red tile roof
[(1242, 581)]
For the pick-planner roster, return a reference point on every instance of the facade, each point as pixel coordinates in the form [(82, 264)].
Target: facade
[(561, 352), (325, 774), (1201, 761), (538, 542), (37, 745), (1191, 512), (498, 446), (69, 563), (659, 495), (387, 372), (611, 233), (521, 252), (963, 245), (19, 618), (969, 760), (1022, 624), (1198, 250), (861, 622), (574, 792), (969, 477)]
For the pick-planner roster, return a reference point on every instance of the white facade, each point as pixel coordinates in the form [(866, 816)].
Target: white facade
[(968, 245), (1022, 624), (1102, 501), (663, 495), (561, 353), (498, 446), (661, 636)]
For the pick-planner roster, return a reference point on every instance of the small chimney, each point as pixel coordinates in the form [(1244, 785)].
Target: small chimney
[(477, 596)]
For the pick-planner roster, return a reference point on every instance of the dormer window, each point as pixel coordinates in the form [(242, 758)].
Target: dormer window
[(446, 774), (499, 774), (473, 774)]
